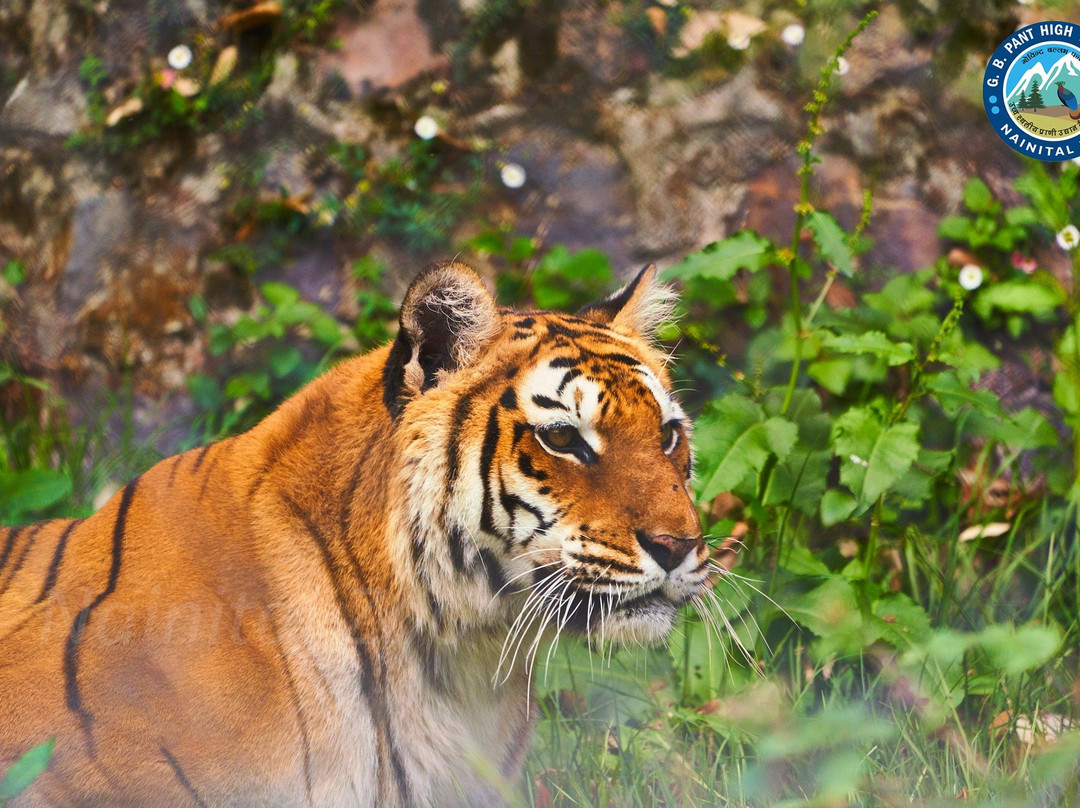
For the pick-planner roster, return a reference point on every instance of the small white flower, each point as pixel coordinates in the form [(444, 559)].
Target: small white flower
[(326, 217), (1025, 2), (793, 34), (179, 57), (668, 3), (513, 175), (426, 127), (971, 276), (858, 461), (1075, 161), (739, 41), (842, 66), (1068, 237)]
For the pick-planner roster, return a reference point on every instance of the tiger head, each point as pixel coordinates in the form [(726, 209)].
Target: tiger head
[(546, 463)]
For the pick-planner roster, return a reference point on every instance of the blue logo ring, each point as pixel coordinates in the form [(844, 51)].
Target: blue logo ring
[(1031, 88)]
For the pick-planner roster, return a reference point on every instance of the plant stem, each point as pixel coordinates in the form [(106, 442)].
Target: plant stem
[(790, 257)]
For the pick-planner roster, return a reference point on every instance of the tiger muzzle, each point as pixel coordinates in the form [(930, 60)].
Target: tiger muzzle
[(669, 551)]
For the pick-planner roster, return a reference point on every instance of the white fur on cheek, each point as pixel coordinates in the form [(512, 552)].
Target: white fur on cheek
[(580, 397)]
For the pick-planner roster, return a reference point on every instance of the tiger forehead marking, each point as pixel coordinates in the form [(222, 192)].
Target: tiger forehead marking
[(343, 606)]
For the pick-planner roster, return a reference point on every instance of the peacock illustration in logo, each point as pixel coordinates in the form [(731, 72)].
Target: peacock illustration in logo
[(1069, 100)]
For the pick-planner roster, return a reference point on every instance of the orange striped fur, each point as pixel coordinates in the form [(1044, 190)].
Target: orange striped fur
[(340, 606)]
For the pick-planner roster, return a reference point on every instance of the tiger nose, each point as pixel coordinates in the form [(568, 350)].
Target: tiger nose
[(668, 551)]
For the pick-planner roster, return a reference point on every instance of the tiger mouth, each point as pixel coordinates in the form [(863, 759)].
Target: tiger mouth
[(587, 611)]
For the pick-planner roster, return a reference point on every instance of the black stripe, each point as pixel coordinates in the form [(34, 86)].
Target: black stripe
[(453, 446), (509, 399), (174, 764), (200, 458), (619, 358), (374, 693), (71, 649), (610, 306), (456, 541), (493, 569), (54, 565), (487, 457), (511, 502), (528, 469), (348, 495), (565, 361), (395, 396), (313, 410), (13, 534), (430, 665), (294, 695), (172, 471), (209, 471), (525, 322), (608, 563), (22, 557), (549, 403), (570, 375), (607, 544)]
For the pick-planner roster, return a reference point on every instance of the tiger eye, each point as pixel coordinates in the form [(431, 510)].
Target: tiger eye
[(559, 437), (667, 432)]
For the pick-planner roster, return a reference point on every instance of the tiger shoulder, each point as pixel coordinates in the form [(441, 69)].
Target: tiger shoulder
[(342, 605)]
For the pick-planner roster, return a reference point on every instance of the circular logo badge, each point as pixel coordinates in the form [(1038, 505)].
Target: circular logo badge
[(1031, 91)]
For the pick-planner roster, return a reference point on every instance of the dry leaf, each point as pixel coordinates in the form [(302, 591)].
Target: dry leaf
[(988, 531), (256, 15), (657, 19), (696, 29), (132, 106), (224, 65), (1045, 726), (186, 87), (738, 25), (959, 258)]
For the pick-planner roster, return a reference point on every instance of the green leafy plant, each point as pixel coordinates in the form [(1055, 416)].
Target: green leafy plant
[(25, 770)]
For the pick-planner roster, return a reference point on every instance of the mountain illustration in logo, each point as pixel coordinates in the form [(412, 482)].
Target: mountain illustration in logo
[(1066, 69)]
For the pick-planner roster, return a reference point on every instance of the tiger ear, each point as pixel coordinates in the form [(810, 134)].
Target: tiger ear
[(446, 319), (641, 306)]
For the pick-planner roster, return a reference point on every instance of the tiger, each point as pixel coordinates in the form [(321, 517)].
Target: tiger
[(341, 606)]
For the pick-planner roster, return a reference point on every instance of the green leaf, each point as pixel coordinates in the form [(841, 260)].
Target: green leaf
[(1015, 650), (1021, 216), (954, 395), (832, 374), (566, 281), (801, 561), (283, 359), (280, 294), (903, 622), (197, 307), (1023, 296), (957, 228), (875, 343), (205, 391), (13, 273), (722, 259), (26, 769), (872, 456), (831, 241), (977, 196), (33, 489), (733, 437), (836, 506), (832, 612), (325, 329)]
